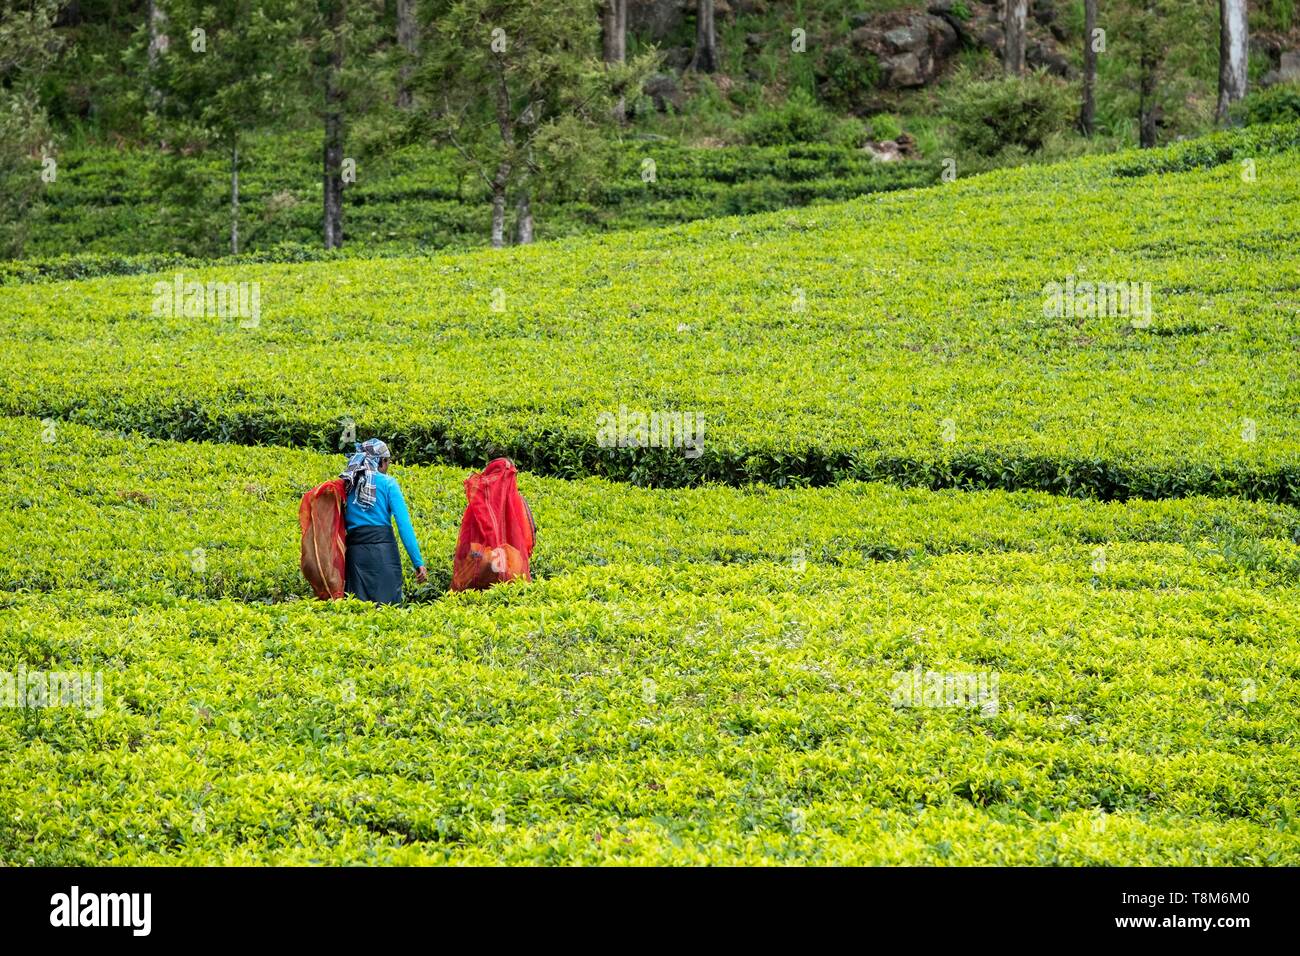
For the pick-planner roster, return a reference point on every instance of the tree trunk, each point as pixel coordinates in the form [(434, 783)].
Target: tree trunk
[(614, 35), (1233, 47), (705, 59), (1015, 17), (614, 31), (524, 218), (408, 38), (333, 159), (157, 24), (1088, 111), (333, 175), (499, 206), (524, 204), (501, 180), (234, 198), (1147, 100), (69, 15)]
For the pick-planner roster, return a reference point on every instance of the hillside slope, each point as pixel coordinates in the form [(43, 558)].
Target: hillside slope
[(119, 202), (878, 338)]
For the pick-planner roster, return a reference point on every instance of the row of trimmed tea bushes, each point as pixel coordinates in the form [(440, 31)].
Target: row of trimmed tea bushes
[(93, 510), (72, 267), (106, 203), (109, 201), (1214, 149), (818, 345), (648, 715)]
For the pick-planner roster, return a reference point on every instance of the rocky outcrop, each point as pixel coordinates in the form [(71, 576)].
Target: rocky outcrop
[(665, 92), (897, 49), (658, 20), (1280, 51), (655, 20), (1287, 70), (1044, 56), (911, 48), (1047, 15), (983, 29)]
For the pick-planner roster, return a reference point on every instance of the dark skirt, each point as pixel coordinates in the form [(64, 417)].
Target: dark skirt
[(374, 568)]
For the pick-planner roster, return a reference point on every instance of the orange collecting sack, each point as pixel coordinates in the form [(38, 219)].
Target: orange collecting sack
[(323, 539), (496, 531)]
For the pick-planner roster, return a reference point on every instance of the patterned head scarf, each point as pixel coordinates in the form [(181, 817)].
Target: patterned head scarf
[(360, 472)]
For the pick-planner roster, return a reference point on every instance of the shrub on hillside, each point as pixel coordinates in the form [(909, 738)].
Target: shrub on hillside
[(1276, 104), (885, 126), (846, 78), (1008, 112), (800, 119)]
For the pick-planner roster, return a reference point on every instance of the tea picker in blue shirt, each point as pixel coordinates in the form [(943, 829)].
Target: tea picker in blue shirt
[(374, 568)]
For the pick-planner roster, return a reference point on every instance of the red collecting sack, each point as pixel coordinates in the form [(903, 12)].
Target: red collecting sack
[(496, 531), (323, 539)]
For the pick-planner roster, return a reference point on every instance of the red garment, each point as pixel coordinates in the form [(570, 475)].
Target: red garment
[(496, 535), (324, 539)]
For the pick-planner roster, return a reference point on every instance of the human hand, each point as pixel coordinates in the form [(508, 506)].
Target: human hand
[(421, 574)]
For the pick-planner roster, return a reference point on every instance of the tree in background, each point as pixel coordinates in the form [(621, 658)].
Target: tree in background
[(332, 49), (156, 21), (1150, 56), (1155, 67), (519, 90), (28, 46), (1015, 18), (220, 77), (614, 40), (705, 59), (408, 41), (337, 78), (1091, 44), (1233, 54)]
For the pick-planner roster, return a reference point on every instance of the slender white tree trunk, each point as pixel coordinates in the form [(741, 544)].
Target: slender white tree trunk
[(157, 43), (524, 218), (1233, 55), (157, 26), (505, 167), (499, 184)]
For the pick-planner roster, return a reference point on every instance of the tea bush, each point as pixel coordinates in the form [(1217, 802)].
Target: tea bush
[(656, 715), (213, 521), (1209, 151), (801, 119), (1275, 104), (818, 345), (109, 204), (700, 674)]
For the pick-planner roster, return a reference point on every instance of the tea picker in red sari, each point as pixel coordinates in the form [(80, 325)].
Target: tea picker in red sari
[(374, 502)]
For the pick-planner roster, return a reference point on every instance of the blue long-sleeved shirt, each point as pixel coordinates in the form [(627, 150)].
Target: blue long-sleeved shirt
[(389, 504)]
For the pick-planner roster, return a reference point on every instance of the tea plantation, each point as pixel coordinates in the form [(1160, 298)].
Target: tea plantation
[(114, 203), (911, 464)]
